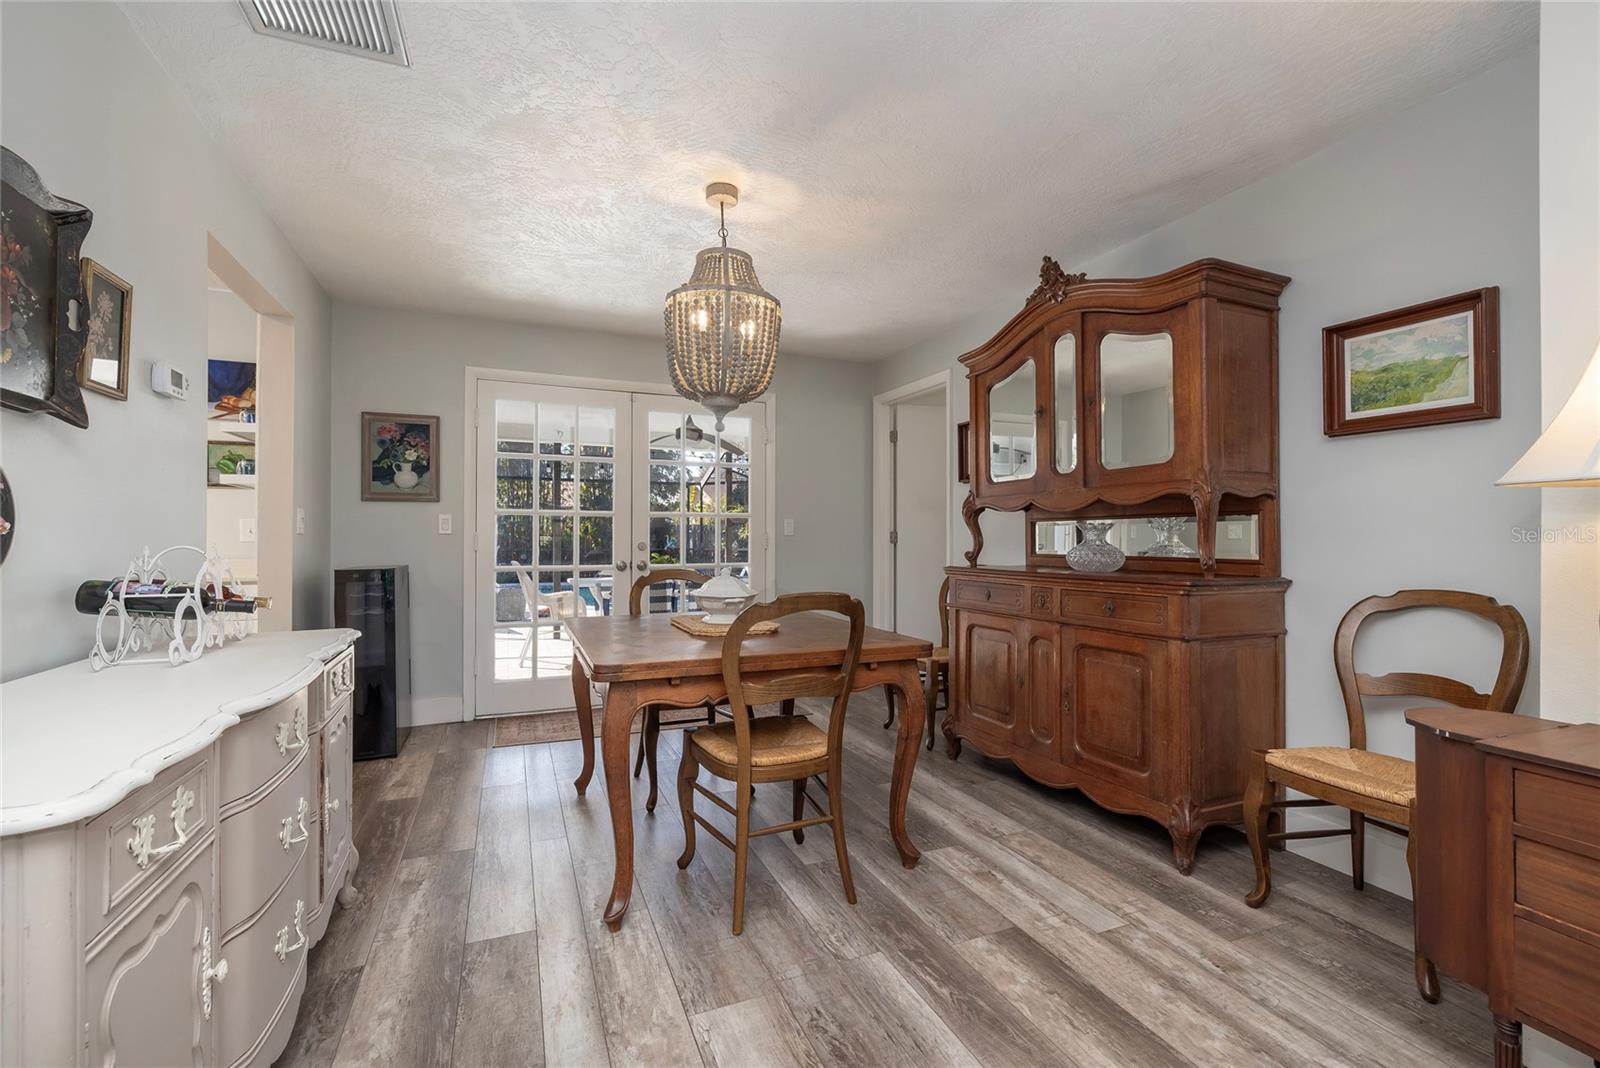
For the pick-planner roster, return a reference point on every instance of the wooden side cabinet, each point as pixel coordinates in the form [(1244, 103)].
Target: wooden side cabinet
[(1543, 799)]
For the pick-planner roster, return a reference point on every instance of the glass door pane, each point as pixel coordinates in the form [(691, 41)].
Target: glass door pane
[(703, 505), (547, 528)]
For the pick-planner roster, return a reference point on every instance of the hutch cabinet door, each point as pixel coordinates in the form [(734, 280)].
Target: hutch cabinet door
[(1143, 369), (1116, 687), (1009, 426), (147, 995), (1039, 713), (988, 676)]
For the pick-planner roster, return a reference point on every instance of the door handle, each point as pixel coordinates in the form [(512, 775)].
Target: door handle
[(622, 565), (643, 567)]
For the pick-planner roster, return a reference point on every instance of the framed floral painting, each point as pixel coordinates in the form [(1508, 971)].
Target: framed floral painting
[(104, 364), (399, 457)]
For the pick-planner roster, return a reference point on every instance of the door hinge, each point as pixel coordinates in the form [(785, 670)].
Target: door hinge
[(894, 537), (894, 437)]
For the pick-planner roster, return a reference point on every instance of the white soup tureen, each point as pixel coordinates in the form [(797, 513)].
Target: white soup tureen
[(724, 597)]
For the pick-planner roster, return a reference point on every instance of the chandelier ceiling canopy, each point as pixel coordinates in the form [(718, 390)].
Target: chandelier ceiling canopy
[(722, 327)]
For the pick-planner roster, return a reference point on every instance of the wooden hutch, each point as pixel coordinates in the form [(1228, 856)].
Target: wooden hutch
[(1128, 400)]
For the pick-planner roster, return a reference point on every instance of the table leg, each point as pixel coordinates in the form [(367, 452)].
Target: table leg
[(580, 701), (616, 729), (908, 744)]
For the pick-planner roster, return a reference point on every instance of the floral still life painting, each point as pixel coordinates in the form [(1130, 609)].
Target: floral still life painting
[(1432, 363), (399, 457), (105, 348)]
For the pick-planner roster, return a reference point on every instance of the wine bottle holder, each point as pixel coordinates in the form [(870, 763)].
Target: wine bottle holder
[(124, 637)]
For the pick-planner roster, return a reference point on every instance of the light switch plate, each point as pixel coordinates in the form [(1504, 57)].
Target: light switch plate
[(788, 527), (444, 523), (299, 520)]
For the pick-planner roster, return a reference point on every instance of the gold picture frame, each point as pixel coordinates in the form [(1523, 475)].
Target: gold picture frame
[(109, 327)]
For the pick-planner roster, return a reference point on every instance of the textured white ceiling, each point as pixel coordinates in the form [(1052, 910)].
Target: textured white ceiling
[(903, 164)]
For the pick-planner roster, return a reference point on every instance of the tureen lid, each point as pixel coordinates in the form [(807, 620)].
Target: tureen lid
[(724, 585)]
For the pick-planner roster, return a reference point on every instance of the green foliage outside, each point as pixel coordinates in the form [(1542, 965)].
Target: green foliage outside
[(1398, 384)]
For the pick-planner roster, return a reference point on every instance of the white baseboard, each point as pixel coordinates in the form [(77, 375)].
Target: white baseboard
[(426, 710)]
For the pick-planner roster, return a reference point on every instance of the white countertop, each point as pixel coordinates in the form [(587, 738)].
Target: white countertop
[(74, 742)]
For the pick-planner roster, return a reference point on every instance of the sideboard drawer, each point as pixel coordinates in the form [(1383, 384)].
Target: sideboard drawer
[(338, 679), (1097, 607), (1561, 885), (263, 744), (143, 838), (987, 594), (262, 844), (264, 965), (1556, 979), (1556, 806)]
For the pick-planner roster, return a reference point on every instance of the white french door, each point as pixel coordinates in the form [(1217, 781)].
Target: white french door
[(554, 472), (701, 497), (580, 491)]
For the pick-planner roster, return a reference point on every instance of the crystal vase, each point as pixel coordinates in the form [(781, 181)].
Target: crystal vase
[(1094, 553)]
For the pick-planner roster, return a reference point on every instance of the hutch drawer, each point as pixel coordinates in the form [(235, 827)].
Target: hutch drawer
[(139, 841), (1556, 806), (1099, 608), (263, 744), (261, 844), (992, 595), (265, 963)]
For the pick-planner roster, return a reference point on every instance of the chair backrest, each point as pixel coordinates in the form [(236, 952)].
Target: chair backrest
[(944, 614), (1355, 685), (530, 588), (835, 683), (656, 576)]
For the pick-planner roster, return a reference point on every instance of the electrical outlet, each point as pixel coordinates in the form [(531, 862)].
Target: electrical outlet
[(788, 527), (444, 523), (247, 529), (299, 520)]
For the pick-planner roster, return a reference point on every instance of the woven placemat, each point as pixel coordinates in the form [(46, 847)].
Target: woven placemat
[(698, 626)]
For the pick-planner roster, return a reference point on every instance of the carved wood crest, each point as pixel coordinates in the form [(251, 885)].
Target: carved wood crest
[(1054, 283)]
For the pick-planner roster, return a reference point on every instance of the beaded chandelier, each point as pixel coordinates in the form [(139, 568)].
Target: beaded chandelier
[(722, 327)]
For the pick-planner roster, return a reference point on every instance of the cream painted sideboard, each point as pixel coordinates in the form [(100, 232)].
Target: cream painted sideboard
[(174, 840)]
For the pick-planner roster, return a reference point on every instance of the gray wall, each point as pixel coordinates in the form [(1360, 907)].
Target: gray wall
[(1436, 200), (87, 105), (401, 361)]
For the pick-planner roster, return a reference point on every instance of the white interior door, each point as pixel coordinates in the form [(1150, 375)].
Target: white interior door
[(554, 510), (919, 516), (702, 495)]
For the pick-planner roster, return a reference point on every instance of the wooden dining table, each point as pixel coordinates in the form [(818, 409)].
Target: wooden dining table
[(645, 660)]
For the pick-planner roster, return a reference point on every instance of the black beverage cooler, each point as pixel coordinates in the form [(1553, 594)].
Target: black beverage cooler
[(377, 602)]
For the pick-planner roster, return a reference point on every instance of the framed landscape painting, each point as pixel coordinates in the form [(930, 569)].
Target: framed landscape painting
[(1424, 365), (399, 457)]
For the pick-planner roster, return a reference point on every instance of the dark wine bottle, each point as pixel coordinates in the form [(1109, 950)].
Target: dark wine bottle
[(159, 599)]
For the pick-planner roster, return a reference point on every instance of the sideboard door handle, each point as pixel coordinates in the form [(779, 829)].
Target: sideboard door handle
[(209, 972)]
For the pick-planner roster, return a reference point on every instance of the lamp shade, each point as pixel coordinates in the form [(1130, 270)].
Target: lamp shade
[(1568, 452)]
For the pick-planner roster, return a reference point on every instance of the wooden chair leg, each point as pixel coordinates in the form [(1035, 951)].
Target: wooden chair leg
[(741, 854), (1257, 804), (888, 695), (1427, 976), (688, 772), (711, 713), (836, 810), (647, 743), (932, 698), (799, 808), (1358, 850)]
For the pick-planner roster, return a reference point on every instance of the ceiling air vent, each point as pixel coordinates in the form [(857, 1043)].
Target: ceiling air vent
[(369, 28)]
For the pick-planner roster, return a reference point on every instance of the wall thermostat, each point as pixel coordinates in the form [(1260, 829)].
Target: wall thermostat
[(168, 381)]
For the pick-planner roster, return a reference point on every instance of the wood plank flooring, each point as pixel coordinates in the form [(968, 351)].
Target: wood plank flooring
[(1037, 930)]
